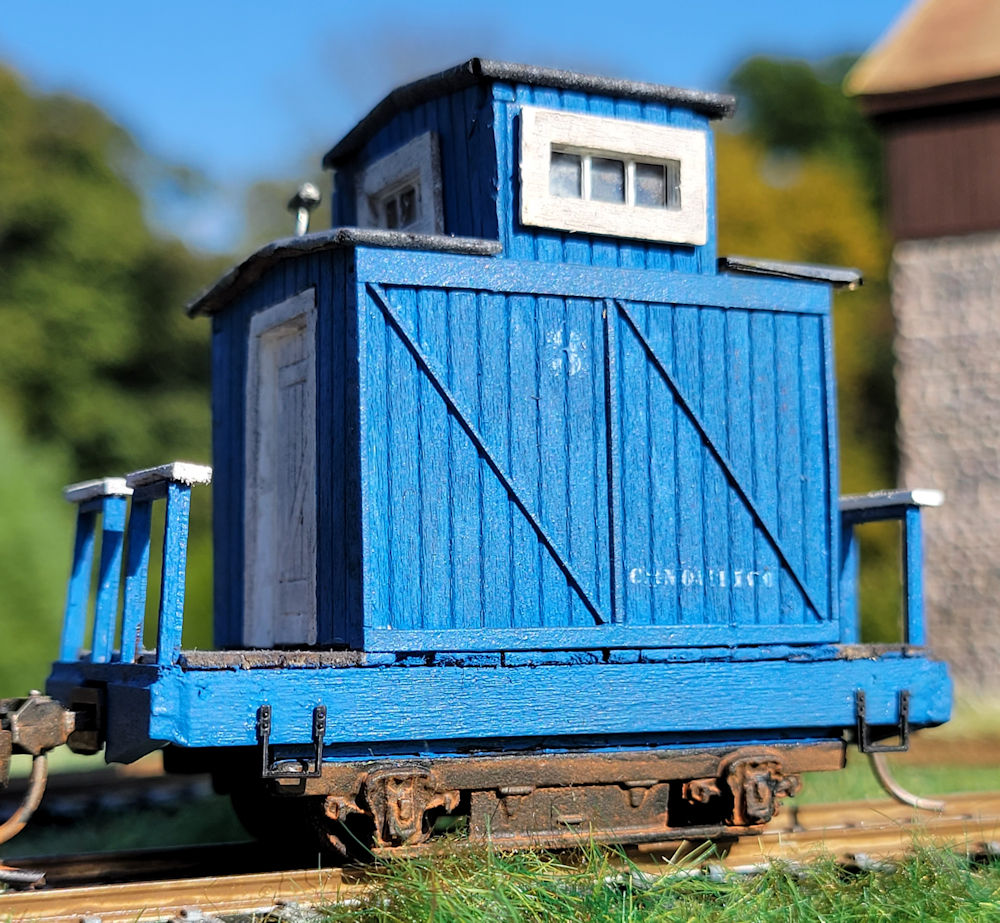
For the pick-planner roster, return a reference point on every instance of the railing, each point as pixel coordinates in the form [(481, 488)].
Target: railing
[(902, 505), (103, 503)]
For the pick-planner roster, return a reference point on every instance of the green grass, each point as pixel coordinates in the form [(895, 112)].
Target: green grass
[(461, 884), (604, 886), (858, 782)]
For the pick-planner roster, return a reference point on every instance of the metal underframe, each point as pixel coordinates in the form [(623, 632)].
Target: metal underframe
[(562, 799)]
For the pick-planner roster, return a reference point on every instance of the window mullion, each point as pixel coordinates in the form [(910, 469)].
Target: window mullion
[(585, 179), (630, 182)]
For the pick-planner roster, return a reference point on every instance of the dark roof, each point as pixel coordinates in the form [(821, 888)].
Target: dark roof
[(837, 276), (241, 277), (480, 70)]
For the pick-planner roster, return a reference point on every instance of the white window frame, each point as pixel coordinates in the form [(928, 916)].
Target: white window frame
[(545, 130), (416, 163)]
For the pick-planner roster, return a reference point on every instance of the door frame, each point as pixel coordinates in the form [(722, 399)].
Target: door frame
[(260, 577)]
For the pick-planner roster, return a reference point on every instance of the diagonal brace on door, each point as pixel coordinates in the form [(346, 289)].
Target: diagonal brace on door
[(424, 364), (717, 454)]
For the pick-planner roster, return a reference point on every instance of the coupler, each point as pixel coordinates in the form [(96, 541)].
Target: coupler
[(34, 726)]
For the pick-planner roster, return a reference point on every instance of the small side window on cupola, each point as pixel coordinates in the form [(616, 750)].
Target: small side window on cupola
[(611, 176), (402, 191)]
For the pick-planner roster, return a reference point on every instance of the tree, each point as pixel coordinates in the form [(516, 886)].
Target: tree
[(36, 535), (96, 352), (100, 371), (794, 107)]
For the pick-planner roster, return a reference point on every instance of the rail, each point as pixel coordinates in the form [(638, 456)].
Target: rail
[(857, 835), (101, 504)]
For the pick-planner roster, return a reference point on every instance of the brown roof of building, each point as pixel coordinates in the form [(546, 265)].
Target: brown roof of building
[(935, 43)]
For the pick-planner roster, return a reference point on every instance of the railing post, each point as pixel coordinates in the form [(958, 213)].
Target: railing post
[(850, 564), (913, 577), (106, 498), (172, 483), (136, 579), (905, 506)]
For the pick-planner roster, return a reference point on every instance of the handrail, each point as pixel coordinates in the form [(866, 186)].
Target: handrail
[(172, 483), (105, 498), (879, 506), (105, 502)]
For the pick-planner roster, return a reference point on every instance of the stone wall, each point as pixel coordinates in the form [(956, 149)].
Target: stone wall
[(946, 299)]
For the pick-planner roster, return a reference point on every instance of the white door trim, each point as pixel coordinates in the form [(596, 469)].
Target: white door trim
[(262, 626)]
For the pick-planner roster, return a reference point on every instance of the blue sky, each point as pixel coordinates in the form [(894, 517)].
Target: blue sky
[(250, 90)]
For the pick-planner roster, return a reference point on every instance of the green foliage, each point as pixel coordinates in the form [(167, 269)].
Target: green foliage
[(36, 535), (606, 885), (203, 820), (96, 353), (795, 107), (100, 370), (858, 783)]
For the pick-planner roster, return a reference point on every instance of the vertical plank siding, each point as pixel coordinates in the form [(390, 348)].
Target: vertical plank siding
[(739, 443), (463, 124), (504, 466), (551, 246), (715, 410), (479, 156), (941, 169), (338, 519), (711, 503), (479, 143), (521, 399), (765, 462)]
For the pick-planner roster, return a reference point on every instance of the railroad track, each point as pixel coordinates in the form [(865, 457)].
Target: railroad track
[(887, 827), (72, 795), (854, 833), (271, 893)]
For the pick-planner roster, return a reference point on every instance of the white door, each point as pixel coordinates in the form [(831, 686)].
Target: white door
[(280, 508)]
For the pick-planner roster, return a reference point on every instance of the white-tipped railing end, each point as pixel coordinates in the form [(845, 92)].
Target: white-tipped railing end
[(83, 491), (178, 472), (884, 498), (926, 496)]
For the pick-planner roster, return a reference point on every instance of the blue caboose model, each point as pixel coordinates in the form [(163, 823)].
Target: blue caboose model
[(525, 503)]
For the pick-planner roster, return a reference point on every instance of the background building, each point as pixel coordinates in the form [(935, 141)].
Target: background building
[(932, 86)]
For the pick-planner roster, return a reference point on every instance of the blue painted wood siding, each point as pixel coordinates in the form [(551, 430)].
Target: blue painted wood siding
[(519, 456), (463, 123), (479, 141), (338, 520), (524, 243), (399, 711), (546, 465)]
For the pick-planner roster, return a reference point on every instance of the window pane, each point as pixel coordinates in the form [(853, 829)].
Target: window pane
[(407, 207), (391, 214), (607, 180), (650, 185), (565, 175), (674, 184)]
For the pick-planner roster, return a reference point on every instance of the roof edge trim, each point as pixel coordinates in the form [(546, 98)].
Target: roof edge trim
[(483, 70), (241, 276), (837, 276)]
